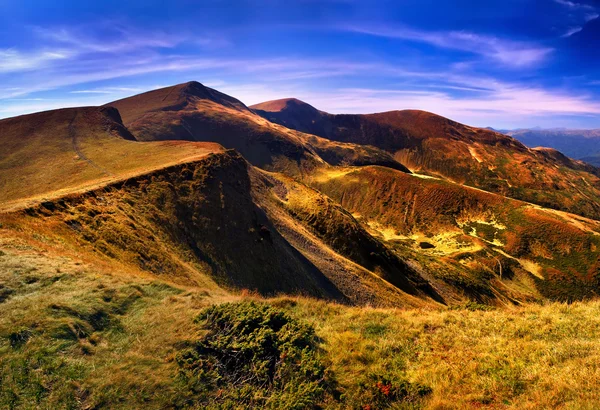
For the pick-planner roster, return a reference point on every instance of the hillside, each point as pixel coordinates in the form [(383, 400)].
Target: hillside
[(86, 335), (220, 218), (435, 145), (367, 234), (52, 153), (488, 246), (193, 112)]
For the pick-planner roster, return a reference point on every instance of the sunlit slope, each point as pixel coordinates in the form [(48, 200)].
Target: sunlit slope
[(432, 144), (55, 152), (472, 239), (193, 112)]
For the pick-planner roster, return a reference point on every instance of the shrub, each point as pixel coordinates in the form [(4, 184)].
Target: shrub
[(253, 355)]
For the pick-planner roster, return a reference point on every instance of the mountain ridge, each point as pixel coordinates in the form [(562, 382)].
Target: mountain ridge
[(427, 143)]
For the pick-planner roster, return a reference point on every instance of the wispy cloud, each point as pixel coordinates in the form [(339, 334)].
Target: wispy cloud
[(90, 92), (573, 5), (507, 52), (571, 31), (12, 60), (115, 39), (509, 105), (110, 90), (579, 13)]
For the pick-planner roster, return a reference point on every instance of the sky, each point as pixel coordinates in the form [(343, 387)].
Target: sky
[(499, 63)]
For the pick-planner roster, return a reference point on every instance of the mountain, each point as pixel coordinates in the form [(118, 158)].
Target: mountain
[(218, 219), (592, 159), (581, 144), (84, 178), (437, 146), (480, 243), (349, 219), (193, 112), (55, 152)]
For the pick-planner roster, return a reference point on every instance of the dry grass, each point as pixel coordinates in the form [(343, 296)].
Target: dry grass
[(471, 232), (55, 354), (536, 356), (532, 357)]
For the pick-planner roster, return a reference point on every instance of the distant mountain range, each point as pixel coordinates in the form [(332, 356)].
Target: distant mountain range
[(579, 144)]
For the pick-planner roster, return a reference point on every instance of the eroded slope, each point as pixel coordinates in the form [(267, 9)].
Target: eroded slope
[(472, 239)]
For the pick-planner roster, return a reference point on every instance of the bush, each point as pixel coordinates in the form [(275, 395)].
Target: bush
[(253, 355)]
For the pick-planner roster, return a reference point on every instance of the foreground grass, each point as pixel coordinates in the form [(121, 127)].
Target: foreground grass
[(530, 357), (73, 338)]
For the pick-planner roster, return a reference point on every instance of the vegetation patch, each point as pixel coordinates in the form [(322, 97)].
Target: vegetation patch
[(254, 355), (383, 391)]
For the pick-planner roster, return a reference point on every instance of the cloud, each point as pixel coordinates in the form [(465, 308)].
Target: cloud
[(573, 5), (499, 103), (576, 29), (90, 92), (507, 52), (110, 90), (114, 39), (591, 16), (456, 91), (580, 13), (571, 31), (12, 60)]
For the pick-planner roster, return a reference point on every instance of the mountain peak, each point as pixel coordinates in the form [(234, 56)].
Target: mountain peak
[(283, 104), (195, 89)]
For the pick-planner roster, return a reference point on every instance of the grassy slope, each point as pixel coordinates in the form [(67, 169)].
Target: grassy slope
[(49, 154), (79, 329), (470, 232), (98, 290), (477, 157), (221, 217), (81, 335)]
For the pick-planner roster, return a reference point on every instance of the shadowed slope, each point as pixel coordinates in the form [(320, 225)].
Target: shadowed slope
[(51, 153), (473, 156)]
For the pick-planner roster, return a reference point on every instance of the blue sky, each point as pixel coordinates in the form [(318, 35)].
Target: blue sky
[(500, 63)]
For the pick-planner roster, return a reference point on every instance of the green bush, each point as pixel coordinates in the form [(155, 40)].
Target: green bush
[(253, 356)]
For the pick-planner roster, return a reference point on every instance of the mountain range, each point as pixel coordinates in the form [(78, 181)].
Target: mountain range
[(392, 209), (179, 249), (580, 144)]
